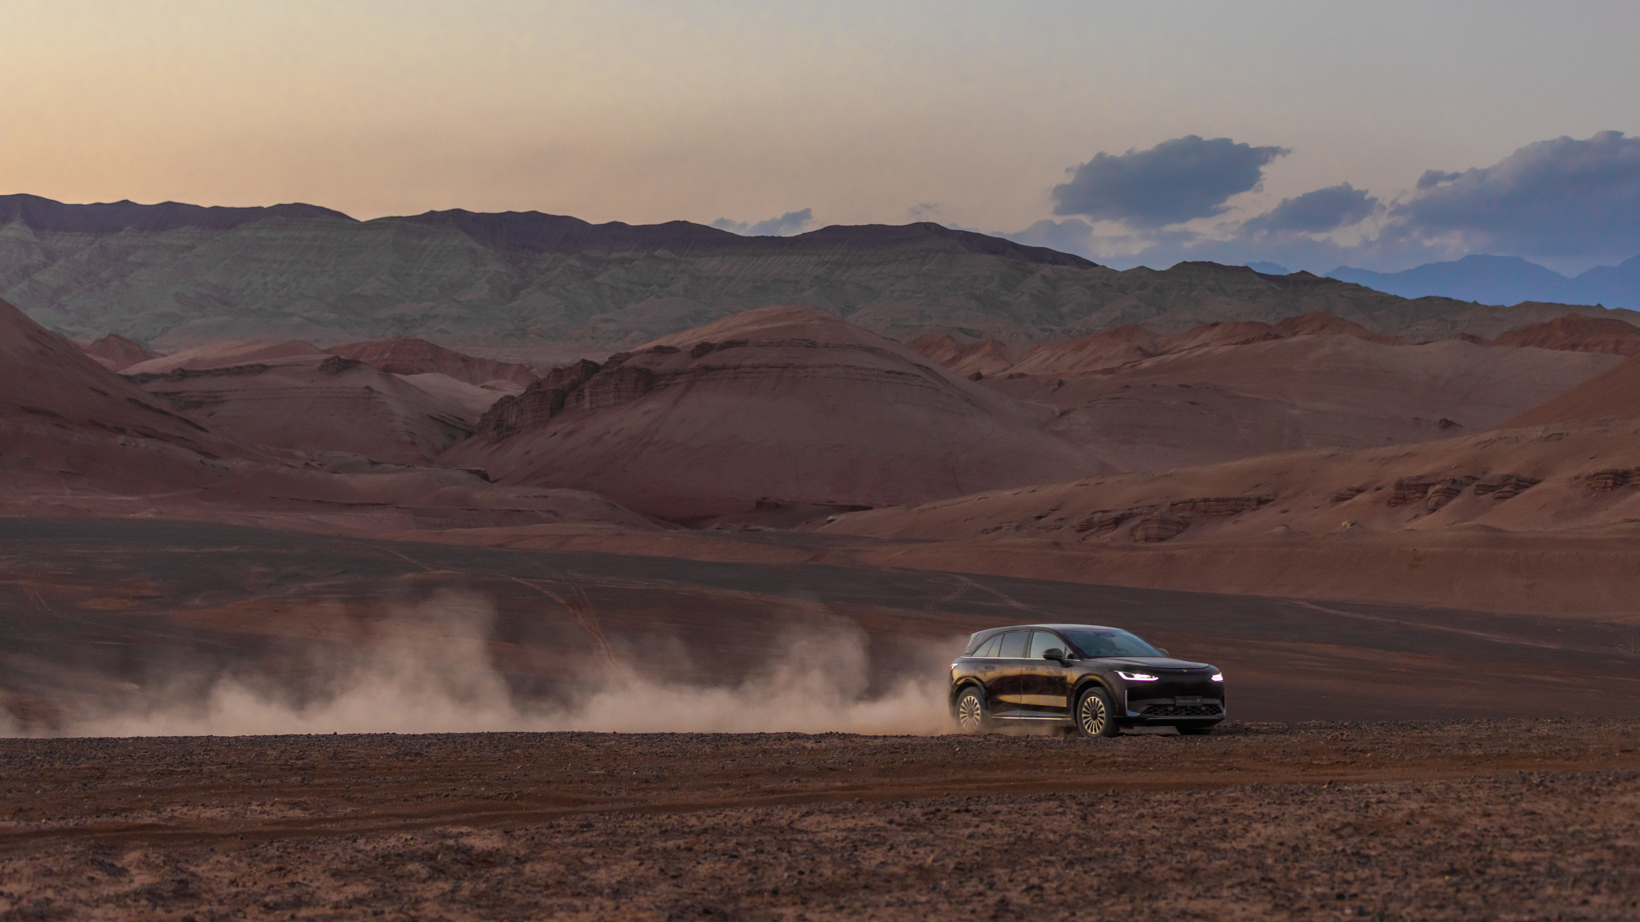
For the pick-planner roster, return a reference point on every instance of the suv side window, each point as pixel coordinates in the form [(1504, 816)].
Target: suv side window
[(1014, 643), (1042, 642), (989, 648)]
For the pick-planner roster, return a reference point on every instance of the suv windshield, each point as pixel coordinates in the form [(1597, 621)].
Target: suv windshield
[(1109, 643)]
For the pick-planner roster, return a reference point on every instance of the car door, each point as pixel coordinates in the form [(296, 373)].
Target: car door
[(1042, 682), (983, 665), (1003, 690)]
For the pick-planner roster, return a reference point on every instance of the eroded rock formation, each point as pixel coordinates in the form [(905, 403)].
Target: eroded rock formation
[(786, 402)]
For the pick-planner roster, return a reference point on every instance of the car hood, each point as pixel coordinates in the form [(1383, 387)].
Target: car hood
[(1159, 663)]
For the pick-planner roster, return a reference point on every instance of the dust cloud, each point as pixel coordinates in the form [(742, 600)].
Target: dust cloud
[(430, 671)]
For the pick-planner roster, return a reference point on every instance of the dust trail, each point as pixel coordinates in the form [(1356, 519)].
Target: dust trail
[(431, 672)]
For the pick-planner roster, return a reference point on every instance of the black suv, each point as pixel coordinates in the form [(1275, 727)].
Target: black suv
[(1095, 679)]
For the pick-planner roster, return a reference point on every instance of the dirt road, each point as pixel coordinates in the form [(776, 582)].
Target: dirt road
[(1512, 819), (112, 610)]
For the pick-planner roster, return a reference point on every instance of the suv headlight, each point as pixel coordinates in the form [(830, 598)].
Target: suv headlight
[(1218, 677), (1136, 676)]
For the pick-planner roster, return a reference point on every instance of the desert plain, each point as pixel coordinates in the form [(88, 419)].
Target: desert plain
[(645, 610)]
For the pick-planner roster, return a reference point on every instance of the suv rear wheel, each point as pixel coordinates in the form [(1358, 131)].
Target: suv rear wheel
[(971, 712), (1094, 716)]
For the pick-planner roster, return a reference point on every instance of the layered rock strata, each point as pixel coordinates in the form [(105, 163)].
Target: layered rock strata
[(787, 405)]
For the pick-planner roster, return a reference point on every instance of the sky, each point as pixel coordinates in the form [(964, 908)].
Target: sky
[(1381, 135)]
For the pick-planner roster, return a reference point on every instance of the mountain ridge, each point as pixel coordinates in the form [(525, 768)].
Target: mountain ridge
[(1505, 280), (541, 289), (113, 217)]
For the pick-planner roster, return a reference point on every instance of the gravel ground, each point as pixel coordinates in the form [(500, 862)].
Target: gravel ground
[(1457, 820)]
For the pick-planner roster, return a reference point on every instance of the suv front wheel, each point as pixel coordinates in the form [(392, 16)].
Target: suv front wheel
[(1094, 716)]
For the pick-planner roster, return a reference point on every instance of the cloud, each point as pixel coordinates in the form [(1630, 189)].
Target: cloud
[(1434, 178), (1317, 253), (1072, 236), (1562, 197), (792, 222), (1565, 203), (1316, 212), (922, 211), (1175, 181)]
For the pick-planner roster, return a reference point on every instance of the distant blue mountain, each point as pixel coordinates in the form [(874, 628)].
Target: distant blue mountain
[(1505, 280), (1613, 286), (1270, 268)]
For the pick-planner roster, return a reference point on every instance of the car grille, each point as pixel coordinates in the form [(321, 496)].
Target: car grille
[(1184, 710)]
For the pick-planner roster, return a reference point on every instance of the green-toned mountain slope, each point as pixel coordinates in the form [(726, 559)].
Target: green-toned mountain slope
[(529, 284)]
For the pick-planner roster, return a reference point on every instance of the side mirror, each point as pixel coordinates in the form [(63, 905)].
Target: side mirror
[(1163, 651), (1055, 654)]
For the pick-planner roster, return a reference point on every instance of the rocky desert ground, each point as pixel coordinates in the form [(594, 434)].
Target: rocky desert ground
[(1494, 819)]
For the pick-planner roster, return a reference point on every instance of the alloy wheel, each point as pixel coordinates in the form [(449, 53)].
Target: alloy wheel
[(1092, 715), (970, 713)]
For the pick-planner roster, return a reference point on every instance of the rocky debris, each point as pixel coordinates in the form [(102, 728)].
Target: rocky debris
[(1505, 485), (1445, 491), (511, 415), (1347, 494), (1612, 478), (1159, 527), (584, 385), (336, 364), (1320, 820), (542, 400), (612, 387), (1410, 490), (1219, 505), (1436, 492), (567, 378), (1109, 520), (1444, 423), (706, 347)]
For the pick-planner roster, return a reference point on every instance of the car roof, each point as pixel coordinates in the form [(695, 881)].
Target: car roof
[(979, 636), (1051, 627)]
